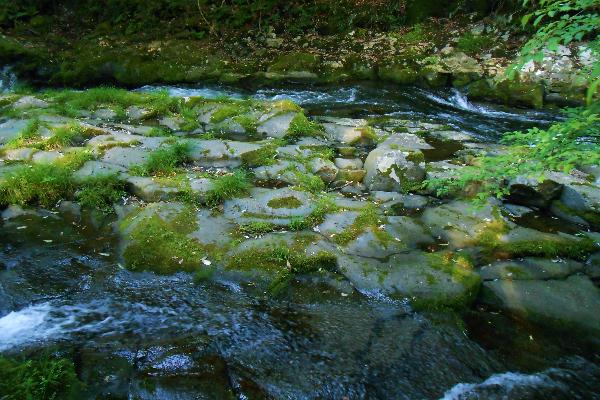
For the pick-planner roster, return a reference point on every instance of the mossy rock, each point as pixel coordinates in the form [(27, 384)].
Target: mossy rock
[(295, 62), (510, 92), (401, 75), (156, 239), (427, 280)]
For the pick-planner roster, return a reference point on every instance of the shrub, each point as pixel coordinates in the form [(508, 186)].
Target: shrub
[(43, 184), (43, 379), (100, 192)]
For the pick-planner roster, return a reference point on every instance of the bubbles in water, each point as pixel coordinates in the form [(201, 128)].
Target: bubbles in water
[(23, 326)]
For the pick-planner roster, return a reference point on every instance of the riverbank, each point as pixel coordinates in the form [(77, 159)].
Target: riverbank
[(469, 54)]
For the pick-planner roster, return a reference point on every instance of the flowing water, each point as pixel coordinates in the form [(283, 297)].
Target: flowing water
[(140, 336)]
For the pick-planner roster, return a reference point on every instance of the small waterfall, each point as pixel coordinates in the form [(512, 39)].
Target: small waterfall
[(8, 79)]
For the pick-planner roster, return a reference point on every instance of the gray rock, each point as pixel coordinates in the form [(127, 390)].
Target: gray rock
[(324, 169), (570, 303), (348, 163), (213, 230), (27, 102), (460, 223), (46, 157), (452, 136), (530, 268), (394, 170), (135, 113), (280, 172), (394, 200), (532, 193), (11, 128), (220, 153), (278, 206), (406, 141), (105, 114), (351, 175), (97, 168), (276, 126), (584, 200), (516, 210), (21, 154), (15, 211), (417, 276), (150, 190), (171, 122), (592, 266), (126, 156)]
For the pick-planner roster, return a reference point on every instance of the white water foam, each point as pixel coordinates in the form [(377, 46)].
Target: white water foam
[(206, 92), (23, 326), (8, 79), (507, 382)]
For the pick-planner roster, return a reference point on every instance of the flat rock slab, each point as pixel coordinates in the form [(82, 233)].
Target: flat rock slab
[(98, 168), (10, 129), (152, 190), (530, 268), (573, 302), (277, 126), (415, 276), (277, 206), (126, 156), (406, 141)]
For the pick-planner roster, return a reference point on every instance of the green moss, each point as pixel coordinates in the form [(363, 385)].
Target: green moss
[(229, 110), (324, 205), (283, 262), (156, 246), (100, 192), (368, 218), (301, 126), (64, 136), (165, 160), (285, 202), (298, 61), (43, 184), (73, 160), (227, 187), (256, 228), (264, 156), (470, 43), (156, 132), (46, 378)]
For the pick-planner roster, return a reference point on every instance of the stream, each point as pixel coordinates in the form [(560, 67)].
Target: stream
[(143, 336)]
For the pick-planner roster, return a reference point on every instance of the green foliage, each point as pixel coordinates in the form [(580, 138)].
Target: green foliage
[(100, 192), (368, 218), (264, 156), (43, 184), (564, 146), (28, 136), (561, 22), (227, 187), (301, 126), (470, 43), (63, 136), (46, 378), (308, 182), (165, 160)]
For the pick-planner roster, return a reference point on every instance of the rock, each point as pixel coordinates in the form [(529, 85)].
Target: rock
[(406, 141), (135, 113), (399, 74), (97, 168), (212, 229), (172, 123), (348, 130), (515, 210), (452, 136), (46, 157), (27, 102), (277, 206), (426, 279), (15, 211), (21, 154), (276, 126), (324, 169), (347, 163), (592, 266), (399, 202), (105, 114), (583, 201), (152, 190), (11, 128), (460, 223), (531, 192), (529, 94), (280, 172), (126, 156), (530, 268), (394, 170), (570, 303), (220, 153), (351, 175)]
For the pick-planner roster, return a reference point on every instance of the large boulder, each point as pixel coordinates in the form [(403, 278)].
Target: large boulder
[(425, 279), (579, 203), (389, 169), (570, 303)]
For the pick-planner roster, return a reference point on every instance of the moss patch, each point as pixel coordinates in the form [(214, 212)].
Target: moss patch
[(285, 202), (367, 219)]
